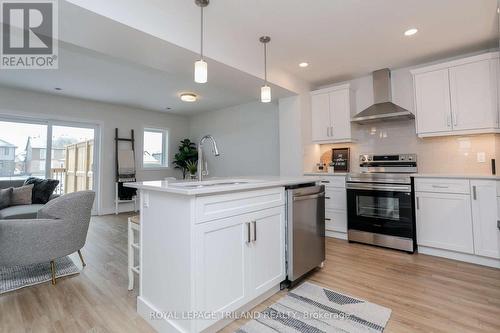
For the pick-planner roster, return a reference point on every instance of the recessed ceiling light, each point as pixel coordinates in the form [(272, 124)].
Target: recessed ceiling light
[(188, 97), (58, 89), (168, 108), (303, 64), (411, 32)]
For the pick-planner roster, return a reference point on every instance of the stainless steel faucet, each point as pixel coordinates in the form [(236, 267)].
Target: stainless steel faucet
[(201, 164)]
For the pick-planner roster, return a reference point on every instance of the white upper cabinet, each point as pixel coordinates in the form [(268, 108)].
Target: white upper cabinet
[(432, 98), (320, 107), (458, 97), (331, 114), (473, 96)]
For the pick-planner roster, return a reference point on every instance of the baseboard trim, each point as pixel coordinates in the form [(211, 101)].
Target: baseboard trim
[(165, 325), (336, 234), (470, 258)]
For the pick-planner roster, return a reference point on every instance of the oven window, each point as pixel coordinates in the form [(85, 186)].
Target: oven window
[(377, 207)]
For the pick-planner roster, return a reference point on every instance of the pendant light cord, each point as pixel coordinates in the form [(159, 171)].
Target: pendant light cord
[(265, 64), (201, 43)]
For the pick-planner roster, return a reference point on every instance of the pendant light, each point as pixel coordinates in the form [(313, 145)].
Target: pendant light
[(200, 66), (265, 90)]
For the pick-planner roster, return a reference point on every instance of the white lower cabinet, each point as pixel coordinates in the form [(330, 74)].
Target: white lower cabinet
[(335, 205), (237, 259), (485, 217), (444, 221), (458, 219)]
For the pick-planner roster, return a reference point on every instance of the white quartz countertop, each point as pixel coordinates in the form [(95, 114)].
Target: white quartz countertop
[(215, 186), (343, 174), (454, 176)]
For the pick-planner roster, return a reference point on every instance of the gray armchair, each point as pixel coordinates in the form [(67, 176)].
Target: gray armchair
[(59, 230)]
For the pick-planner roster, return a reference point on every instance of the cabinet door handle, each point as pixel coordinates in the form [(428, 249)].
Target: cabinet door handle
[(474, 192), (248, 233), (254, 231), (328, 131), (327, 219), (448, 120), (418, 203), (498, 225), (455, 121)]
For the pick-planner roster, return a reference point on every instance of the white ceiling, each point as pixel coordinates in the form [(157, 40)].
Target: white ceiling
[(141, 53), (116, 64), (341, 39)]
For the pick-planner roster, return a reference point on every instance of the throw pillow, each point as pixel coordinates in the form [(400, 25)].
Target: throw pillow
[(42, 189), (5, 196), (21, 195)]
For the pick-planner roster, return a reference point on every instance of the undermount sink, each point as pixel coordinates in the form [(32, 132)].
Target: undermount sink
[(210, 183)]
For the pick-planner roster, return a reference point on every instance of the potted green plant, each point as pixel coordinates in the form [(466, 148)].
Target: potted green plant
[(187, 153), (192, 168)]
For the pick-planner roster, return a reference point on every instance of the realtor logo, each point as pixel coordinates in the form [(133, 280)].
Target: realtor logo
[(29, 34)]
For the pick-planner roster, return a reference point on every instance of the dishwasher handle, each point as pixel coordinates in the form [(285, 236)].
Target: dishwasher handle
[(309, 197)]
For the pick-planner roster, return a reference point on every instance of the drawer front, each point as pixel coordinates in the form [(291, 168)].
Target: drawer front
[(336, 198), (333, 181), (442, 185), (336, 220), (231, 204)]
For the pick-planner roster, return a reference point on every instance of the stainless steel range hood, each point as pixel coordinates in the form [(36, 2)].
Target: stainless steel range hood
[(383, 109)]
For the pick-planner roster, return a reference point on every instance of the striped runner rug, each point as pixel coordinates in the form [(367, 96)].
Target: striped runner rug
[(312, 309)]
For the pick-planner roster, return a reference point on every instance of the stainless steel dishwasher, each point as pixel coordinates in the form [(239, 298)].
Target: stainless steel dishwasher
[(305, 248)]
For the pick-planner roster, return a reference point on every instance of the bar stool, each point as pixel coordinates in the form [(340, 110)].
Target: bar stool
[(133, 225)]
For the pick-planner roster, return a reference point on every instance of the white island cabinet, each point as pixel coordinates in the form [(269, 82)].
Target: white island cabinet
[(209, 251)]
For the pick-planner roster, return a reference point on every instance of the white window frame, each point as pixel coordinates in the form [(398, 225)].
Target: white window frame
[(165, 163), (96, 210)]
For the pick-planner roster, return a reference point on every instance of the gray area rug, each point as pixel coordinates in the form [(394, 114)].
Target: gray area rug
[(313, 309), (17, 277)]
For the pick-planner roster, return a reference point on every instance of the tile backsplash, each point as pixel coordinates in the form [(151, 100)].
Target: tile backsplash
[(449, 154)]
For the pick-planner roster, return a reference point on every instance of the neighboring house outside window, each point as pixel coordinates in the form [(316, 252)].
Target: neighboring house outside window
[(155, 148)]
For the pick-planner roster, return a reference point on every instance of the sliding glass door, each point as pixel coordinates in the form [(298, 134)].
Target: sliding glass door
[(50, 149)]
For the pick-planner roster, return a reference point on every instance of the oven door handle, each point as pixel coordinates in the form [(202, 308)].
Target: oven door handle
[(385, 188)]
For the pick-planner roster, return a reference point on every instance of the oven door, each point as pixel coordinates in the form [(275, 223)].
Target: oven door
[(380, 208)]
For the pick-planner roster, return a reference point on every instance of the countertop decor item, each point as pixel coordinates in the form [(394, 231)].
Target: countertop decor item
[(187, 152), (340, 159)]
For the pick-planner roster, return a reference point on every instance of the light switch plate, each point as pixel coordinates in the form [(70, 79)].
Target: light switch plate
[(481, 157)]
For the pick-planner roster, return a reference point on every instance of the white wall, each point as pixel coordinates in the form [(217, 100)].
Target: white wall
[(14, 102), (247, 137)]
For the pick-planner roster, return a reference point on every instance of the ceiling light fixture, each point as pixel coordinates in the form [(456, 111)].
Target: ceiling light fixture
[(200, 66), (58, 89), (303, 64), (265, 90), (189, 97), (411, 32)]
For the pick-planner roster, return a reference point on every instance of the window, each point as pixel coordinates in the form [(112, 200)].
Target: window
[(155, 152)]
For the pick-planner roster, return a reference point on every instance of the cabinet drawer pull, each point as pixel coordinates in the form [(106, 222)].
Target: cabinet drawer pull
[(327, 198), (498, 225), (418, 203), (327, 219), (248, 233), (440, 186), (325, 181), (254, 231)]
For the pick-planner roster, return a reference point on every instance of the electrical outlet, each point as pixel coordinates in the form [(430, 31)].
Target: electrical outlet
[(481, 157)]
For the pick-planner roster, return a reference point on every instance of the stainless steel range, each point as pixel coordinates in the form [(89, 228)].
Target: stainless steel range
[(380, 202)]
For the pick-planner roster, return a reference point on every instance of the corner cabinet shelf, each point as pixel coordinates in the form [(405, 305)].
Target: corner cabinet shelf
[(331, 114), (458, 97)]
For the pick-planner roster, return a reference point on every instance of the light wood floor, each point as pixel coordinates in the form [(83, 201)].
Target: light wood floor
[(426, 294)]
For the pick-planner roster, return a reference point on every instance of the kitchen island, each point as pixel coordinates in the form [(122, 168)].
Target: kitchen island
[(210, 248)]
